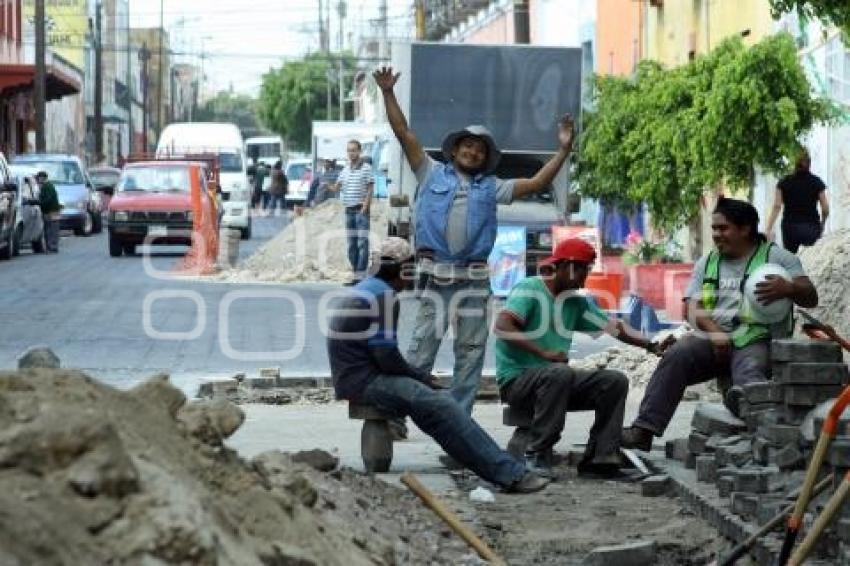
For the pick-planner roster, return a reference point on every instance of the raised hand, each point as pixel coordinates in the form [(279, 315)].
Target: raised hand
[(566, 131), (385, 79)]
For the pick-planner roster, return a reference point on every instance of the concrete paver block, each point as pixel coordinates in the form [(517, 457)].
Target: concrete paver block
[(736, 454), (838, 453), (655, 486), (38, 357), (780, 435), (791, 350), (706, 467), (787, 458), (744, 504), (725, 485), (753, 480), (697, 442), (810, 373), (810, 395), (714, 418), (764, 392), (641, 553), (676, 449)]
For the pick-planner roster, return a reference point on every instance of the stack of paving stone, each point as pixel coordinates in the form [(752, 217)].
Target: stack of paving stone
[(758, 460)]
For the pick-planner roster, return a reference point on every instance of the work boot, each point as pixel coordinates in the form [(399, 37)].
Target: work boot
[(398, 429), (529, 483), (733, 400), (540, 463), (636, 438)]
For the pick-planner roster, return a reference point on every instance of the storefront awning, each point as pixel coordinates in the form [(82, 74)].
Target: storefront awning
[(17, 78)]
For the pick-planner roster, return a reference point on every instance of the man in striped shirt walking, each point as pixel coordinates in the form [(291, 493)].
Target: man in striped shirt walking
[(356, 183)]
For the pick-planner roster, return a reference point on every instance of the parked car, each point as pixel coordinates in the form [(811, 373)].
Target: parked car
[(8, 211), (104, 180), (81, 205), (29, 222), (160, 202), (299, 172)]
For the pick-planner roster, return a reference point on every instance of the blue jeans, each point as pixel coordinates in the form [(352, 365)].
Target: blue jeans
[(468, 314), (357, 232), (51, 234), (441, 418), (274, 201)]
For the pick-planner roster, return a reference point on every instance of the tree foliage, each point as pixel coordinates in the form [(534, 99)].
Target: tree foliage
[(666, 136), (227, 106), (831, 12), (294, 95)]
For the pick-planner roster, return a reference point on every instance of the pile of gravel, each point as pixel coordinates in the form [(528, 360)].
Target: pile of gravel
[(312, 248)]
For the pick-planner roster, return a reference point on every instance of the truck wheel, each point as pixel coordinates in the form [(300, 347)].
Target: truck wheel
[(115, 247), (245, 233), (129, 249), (6, 252)]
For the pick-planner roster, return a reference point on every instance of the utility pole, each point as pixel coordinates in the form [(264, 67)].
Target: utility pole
[(383, 47), (341, 11), (129, 88), (323, 46), (98, 84), (40, 72), (144, 57), (420, 19), (161, 65), (341, 91)]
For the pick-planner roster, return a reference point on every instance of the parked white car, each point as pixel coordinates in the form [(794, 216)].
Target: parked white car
[(299, 172)]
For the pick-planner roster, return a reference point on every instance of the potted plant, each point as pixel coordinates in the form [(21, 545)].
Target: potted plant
[(645, 256)]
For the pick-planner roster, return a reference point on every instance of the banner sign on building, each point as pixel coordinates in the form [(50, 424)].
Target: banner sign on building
[(507, 260), (66, 28)]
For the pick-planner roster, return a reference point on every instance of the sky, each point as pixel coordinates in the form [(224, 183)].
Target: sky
[(242, 39)]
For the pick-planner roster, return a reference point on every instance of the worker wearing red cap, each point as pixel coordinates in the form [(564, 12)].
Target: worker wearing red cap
[(534, 333)]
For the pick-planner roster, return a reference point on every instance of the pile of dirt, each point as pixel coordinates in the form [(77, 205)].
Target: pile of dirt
[(312, 248), (93, 475), (827, 264)]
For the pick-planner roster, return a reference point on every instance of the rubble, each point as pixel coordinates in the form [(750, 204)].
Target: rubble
[(827, 264), (95, 475), (312, 248)]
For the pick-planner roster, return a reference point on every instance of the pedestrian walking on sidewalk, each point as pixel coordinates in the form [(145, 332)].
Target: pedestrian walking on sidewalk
[(799, 195), (455, 229), (367, 367), (50, 211), (730, 344), (355, 184), (534, 333)]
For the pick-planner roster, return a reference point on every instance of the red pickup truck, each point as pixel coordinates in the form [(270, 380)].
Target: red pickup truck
[(161, 202)]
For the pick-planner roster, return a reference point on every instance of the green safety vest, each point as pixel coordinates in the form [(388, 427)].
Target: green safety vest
[(748, 330)]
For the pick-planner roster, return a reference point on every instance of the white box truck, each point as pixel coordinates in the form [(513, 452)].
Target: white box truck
[(516, 91)]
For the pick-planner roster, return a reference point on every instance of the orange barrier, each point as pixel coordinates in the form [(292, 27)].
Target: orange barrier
[(202, 255), (607, 288)]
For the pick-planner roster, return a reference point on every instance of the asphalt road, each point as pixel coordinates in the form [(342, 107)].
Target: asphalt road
[(115, 319)]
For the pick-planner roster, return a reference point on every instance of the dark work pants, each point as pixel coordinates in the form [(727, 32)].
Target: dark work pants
[(51, 234), (551, 391), (796, 234), (688, 362)]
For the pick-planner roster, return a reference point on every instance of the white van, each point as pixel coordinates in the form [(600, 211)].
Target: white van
[(266, 149), (225, 140)]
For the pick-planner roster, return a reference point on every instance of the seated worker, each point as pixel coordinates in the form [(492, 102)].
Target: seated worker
[(728, 344), (534, 333), (368, 368)]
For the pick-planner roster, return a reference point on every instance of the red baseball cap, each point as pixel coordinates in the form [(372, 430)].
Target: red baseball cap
[(572, 249)]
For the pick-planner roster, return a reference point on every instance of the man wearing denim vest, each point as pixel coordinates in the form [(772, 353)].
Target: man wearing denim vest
[(455, 229)]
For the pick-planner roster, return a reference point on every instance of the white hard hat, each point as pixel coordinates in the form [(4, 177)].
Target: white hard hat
[(775, 311)]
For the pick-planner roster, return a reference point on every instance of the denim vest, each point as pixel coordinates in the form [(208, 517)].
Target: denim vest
[(433, 203)]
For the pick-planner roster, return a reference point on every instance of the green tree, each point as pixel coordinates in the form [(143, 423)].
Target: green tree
[(294, 95), (831, 12), (666, 136), (227, 106)]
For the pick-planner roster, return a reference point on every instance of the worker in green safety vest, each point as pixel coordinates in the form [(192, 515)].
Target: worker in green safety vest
[(727, 343)]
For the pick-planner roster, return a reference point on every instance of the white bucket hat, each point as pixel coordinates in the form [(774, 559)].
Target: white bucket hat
[(493, 153)]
